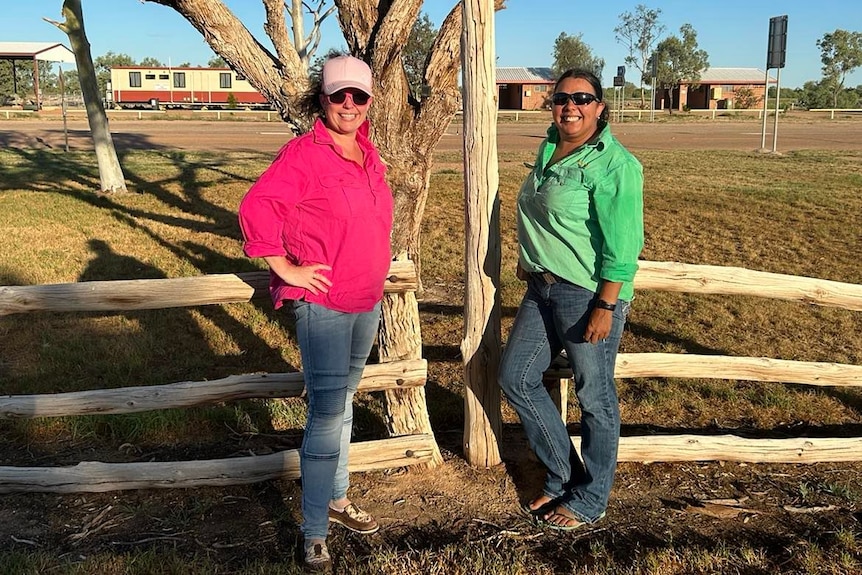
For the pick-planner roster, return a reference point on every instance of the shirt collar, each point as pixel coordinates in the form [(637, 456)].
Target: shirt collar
[(598, 140)]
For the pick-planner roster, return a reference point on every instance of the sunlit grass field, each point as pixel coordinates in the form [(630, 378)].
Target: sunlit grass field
[(799, 213)]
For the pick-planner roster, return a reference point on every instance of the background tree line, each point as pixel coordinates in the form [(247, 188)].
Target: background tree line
[(678, 58), (675, 58)]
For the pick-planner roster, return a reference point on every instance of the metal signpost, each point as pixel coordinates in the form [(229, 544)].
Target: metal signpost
[(775, 52), (653, 65), (620, 87)]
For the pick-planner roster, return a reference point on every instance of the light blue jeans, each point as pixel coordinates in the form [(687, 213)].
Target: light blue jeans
[(551, 318), (334, 348)]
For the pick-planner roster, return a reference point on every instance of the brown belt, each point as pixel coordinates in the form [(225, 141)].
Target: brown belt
[(546, 278)]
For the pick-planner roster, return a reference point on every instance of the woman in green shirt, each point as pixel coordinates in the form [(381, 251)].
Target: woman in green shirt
[(580, 232)]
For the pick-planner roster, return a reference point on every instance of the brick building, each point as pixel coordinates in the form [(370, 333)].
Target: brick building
[(717, 89), (524, 88)]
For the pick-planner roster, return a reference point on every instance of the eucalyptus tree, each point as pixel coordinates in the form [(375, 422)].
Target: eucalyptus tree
[(405, 128), (840, 54), (678, 58), (110, 173), (572, 52), (639, 32)]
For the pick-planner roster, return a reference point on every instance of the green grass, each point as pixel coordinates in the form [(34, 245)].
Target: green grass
[(796, 214)]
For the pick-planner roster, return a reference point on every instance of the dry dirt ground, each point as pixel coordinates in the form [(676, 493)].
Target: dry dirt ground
[(782, 508), (794, 133)]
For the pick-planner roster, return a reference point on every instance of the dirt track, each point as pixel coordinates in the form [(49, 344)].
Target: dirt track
[(703, 134)]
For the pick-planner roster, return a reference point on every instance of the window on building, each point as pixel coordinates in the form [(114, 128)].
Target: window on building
[(224, 80), (163, 77), (149, 76), (179, 79), (134, 79)]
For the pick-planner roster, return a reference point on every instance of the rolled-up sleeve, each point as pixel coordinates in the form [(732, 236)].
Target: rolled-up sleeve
[(619, 207), (267, 207)]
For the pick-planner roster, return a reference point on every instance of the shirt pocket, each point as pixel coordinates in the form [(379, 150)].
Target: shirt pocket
[(341, 195), (564, 189)]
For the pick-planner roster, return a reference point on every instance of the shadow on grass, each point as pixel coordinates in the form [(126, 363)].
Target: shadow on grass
[(156, 346)]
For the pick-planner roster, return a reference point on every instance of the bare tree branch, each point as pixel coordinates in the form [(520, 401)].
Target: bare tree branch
[(276, 29)]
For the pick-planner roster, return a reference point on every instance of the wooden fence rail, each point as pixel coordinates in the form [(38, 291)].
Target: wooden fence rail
[(376, 377), (418, 447), (409, 448)]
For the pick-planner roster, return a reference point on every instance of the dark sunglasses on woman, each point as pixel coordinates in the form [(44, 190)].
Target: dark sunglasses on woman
[(578, 98), (359, 97)]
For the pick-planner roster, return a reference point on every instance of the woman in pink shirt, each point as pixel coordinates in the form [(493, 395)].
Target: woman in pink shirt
[(321, 217)]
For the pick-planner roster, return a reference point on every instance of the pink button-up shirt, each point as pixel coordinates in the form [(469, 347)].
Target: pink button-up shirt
[(314, 206)]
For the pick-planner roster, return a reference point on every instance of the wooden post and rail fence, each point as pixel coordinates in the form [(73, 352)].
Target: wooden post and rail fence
[(406, 377)]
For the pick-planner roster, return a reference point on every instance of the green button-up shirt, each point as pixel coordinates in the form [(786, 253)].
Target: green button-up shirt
[(582, 218)]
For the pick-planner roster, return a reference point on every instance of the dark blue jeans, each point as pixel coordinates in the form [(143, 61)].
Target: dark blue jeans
[(551, 318), (334, 348)]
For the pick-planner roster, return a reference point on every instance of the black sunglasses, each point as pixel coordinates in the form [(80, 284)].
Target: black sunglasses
[(359, 97), (578, 98)]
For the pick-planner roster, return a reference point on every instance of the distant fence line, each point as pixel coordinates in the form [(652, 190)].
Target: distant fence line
[(506, 115)]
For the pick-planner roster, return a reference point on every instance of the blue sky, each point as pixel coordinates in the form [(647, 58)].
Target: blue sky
[(733, 32)]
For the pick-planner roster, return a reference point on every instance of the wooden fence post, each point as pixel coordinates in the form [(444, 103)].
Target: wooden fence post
[(480, 347)]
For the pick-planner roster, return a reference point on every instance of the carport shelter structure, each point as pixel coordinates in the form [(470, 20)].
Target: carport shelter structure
[(34, 52)]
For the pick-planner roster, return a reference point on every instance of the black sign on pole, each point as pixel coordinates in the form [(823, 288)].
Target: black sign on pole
[(777, 42), (621, 71), (619, 81)]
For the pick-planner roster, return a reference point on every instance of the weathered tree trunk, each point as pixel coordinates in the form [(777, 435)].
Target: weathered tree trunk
[(400, 338), (480, 347), (405, 130), (110, 172)]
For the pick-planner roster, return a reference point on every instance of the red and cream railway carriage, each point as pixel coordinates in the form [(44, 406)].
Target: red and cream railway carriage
[(137, 86)]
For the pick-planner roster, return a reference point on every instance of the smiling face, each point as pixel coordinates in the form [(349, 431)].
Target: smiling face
[(345, 118), (576, 123)]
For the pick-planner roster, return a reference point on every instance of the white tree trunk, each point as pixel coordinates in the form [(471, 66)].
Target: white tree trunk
[(111, 175)]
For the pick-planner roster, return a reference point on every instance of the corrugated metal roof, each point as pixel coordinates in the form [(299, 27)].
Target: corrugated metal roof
[(734, 76), (48, 51), (525, 75)]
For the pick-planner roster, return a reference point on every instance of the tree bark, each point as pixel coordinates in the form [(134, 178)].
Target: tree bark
[(400, 338), (111, 175), (405, 130), (480, 346)]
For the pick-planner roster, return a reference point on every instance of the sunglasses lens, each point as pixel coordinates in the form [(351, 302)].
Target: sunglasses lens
[(560, 98), (578, 98), (359, 98), (582, 98)]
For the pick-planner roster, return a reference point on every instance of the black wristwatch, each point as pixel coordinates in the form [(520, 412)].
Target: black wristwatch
[(602, 304)]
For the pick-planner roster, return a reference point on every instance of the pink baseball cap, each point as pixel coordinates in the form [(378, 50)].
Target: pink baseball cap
[(346, 72)]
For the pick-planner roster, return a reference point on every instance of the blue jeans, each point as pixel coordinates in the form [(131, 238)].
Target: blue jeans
[(551, 318), (334, 347)]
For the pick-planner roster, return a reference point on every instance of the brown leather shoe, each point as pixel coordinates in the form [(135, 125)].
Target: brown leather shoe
[(317, 559), (354, 519)]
